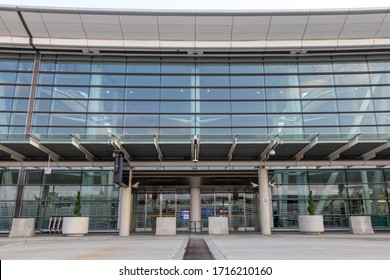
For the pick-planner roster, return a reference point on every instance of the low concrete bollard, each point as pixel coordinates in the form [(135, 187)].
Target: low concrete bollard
[(218, 225), (166, 226), (360, 225), (22, 227)]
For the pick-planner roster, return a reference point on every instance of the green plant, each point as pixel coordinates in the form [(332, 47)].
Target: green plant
[(311, 209), (77, 206)]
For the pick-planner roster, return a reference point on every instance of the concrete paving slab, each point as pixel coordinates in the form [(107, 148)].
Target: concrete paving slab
[(278, 246)]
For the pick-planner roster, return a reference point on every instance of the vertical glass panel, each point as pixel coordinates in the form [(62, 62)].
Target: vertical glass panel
[(327, 177), (24, 78), (316, 80), (152, 210), (96, 178), (282, 93), (97, 193), (22, 91), (207, 207), (62, 178), (247, 93), (7, 64), (105, 106), (48, 65), (383, 118), (168, 205), (9, 177), (237, 215), (287, 67), (353, 66), (67, 120), (8, 193), (45, 78), (352, 79), (6, 77), (72, 79), (182, 211), (249, 130), (139, 212), (353, 92), (317, 93), (67, 92), (108, 80), (357, 119), (18, 119), (104, 124), (315, 67)]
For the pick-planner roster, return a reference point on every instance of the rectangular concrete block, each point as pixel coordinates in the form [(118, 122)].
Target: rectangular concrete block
[(218, 225), (22, 227), (360, 225), (166, 226)]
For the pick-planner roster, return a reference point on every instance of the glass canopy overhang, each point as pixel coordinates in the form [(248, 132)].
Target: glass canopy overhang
[(191, 150)]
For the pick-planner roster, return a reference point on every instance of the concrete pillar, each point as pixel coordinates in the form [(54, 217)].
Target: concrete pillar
[(195, 204), (264, 203), (125, 208)]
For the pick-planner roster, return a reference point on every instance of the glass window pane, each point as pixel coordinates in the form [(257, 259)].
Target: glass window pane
[(143, 67), (328, 177), (354, 66), (284, 120), (7, 64), (319, 106), (237, 67), (318, 93), (315, 67), (357, 119), (283, 106), (142, 93), (106, 106), (98, 66), (212, 68), (287, 67), (70, 105), (214, 93), (177, 93), (213, 107), (352, 79), (282, 93), (359, 105), (177, 67), (213, 120), (316, 80), (382, 65), (18, 119), (143, 80), (381, 91), (185, 81), (142, 106), (249, 120), (246, 81), (320, 119), (282, 80), (70, 65), (353, 92), (8, 77), (247, 93), (248, 107), (141, 120), (108, 80), (8, 192), (72, 79), (67, 120), (382, 104), (213, 81), (177, 107)]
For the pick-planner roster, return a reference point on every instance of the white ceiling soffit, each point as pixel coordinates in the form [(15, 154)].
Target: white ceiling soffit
[(191, 30)]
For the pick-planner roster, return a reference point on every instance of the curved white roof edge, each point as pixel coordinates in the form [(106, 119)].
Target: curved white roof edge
[(94, 30)]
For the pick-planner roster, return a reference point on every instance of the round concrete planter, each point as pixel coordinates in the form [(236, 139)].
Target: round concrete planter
[(75, 226), (311, 224)]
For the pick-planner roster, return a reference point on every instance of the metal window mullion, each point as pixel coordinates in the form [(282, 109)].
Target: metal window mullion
[(32, 96)]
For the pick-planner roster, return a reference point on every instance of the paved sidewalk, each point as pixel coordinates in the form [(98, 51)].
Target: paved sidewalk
[(278, 246)]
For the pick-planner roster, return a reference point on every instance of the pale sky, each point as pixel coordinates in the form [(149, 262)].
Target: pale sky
[(204, 4)]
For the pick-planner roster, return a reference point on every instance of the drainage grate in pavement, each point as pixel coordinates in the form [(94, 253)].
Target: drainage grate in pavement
[(197, 249)]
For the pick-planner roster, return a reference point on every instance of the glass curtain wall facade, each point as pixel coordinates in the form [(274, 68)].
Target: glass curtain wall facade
[(102, 95)]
